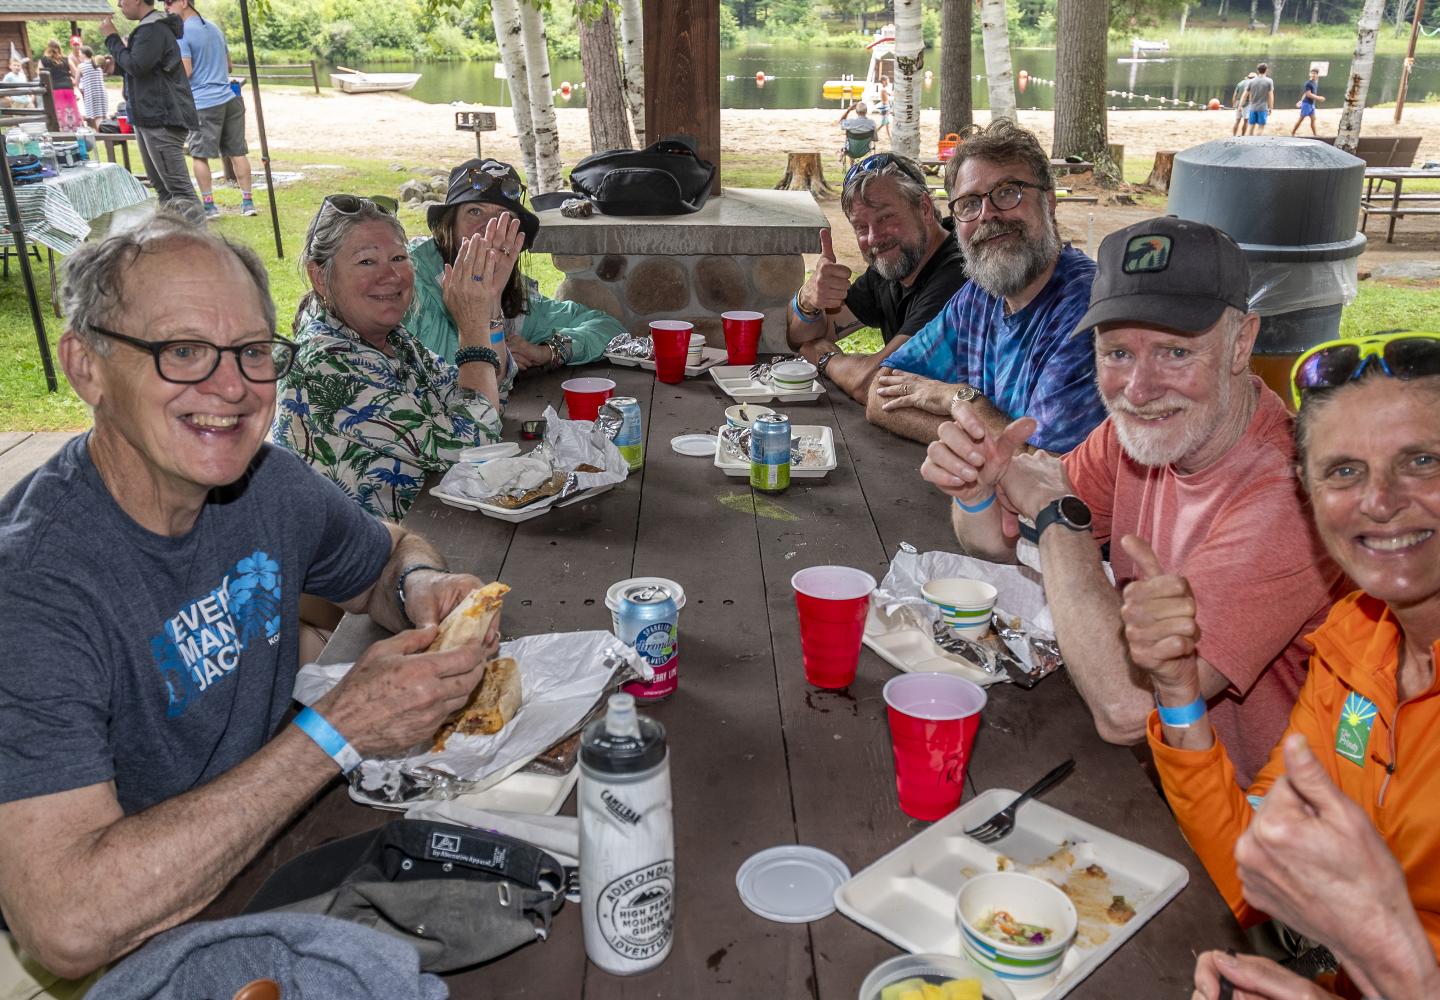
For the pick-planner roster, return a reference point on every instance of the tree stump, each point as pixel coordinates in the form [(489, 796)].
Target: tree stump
[(803, 172), (1159, 178)]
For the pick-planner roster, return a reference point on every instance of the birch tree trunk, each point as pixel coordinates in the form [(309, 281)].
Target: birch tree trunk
[(1254, 14), (1279, 9), (1081, 27), (1361, 66), (542, 100), (508, 34), (632, 65), (956, 110), (909, 62), (604, 101), (1314, 11), (1184, 16), (995, 33)]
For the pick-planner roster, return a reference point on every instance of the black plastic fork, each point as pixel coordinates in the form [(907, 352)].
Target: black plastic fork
[(1003, 822)]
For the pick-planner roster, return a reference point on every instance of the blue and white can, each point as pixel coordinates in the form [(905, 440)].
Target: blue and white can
[(770, 453), (631, 439), (649, 620)]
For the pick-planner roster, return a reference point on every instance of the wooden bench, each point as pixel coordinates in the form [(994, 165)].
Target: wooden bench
[(1395, 203)]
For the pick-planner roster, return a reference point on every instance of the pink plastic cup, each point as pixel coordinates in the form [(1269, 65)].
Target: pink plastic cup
[(742, 335), (672, 343), (933, 721), (584, 396), (833, 602)]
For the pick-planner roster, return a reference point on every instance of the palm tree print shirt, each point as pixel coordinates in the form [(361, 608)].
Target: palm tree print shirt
[(372, 422)]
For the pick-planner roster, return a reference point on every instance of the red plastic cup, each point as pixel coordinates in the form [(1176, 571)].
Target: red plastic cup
[(742, 335), (584, 396), (672, 343), (124, 122), (933, 721), (833, 602)]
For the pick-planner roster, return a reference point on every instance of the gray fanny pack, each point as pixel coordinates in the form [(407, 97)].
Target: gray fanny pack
[(460, 896)]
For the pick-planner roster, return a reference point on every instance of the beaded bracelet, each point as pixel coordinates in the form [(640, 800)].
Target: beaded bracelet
[(800, 314), (467, 354)]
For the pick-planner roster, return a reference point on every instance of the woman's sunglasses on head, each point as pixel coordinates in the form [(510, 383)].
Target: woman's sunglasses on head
[(1399, 355), (496, 175), (350, 204)]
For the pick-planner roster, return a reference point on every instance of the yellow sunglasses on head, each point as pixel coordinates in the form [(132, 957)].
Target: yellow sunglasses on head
[(1402, 355)]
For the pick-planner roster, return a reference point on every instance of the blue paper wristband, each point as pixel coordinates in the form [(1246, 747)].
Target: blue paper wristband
[(328, 738), (1183, 716), (976, 508), (795, 306)]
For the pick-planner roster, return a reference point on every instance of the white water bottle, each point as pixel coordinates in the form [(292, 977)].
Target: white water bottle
[(627, 841)]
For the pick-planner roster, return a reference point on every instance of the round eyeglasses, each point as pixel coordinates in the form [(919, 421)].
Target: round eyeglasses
[(1003, 196), (190, 361)]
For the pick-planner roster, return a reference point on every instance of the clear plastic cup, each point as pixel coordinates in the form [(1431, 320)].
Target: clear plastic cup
[(742, 335), (833, 602), (671, 339), (933, 721), (584, 396)]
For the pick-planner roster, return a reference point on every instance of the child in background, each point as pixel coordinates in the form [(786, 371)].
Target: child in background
[(17, 75), (92, 88), (67, 112)]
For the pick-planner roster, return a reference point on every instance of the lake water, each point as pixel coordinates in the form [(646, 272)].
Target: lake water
[(795, 76)]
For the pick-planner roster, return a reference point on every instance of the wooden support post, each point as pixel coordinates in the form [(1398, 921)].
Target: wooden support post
[(682, 73), (804, 172), (1159, 178)]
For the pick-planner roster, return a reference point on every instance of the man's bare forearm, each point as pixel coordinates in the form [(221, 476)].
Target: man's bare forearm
[(88, 899), (409, 549), (981, 535), (908, 422)]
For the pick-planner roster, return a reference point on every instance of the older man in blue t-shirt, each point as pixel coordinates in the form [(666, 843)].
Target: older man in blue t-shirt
[(1002, 345), (221, 110)]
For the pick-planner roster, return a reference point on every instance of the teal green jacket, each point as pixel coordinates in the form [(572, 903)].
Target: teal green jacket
[(430, 321)]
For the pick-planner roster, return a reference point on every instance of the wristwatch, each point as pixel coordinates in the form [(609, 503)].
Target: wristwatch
[(1069, 511), (823, 361), (400, 586), (964, 394)]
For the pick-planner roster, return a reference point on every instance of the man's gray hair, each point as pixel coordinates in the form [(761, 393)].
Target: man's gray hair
[(1002, 141), (323, 240), (93, 288), (904, 172)]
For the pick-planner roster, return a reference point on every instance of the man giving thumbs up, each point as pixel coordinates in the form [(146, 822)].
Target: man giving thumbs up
[(914, 269)]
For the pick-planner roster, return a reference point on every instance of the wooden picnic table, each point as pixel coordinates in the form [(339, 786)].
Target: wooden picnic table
[(1396, 204), (759, 758)]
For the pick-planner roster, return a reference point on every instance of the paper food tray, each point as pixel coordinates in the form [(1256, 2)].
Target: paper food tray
[(527, 792), (735, 382), (906, 647), (532, 510), (908, 896), (709, 358), (741, 467)]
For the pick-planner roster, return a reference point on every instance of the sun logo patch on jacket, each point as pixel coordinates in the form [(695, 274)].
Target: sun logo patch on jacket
[(1352, 733)]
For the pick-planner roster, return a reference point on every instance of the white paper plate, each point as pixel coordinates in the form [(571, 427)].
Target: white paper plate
[(709, 358), (528, 792), (533, 510), (791, 884), (696, 445), (897, 641), (735, 382), (741, 466), (908, 896)]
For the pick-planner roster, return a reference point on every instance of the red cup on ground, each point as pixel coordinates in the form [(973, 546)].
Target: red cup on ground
[(584, 396), (742, 335), (933, 721), (672, 343), (833, 602)]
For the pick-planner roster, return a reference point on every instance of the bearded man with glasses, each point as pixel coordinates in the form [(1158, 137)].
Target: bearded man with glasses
[(914, 269), (1001, 347), (149, 646)]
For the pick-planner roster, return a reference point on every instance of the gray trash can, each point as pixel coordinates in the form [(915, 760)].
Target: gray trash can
[(1292, 205)]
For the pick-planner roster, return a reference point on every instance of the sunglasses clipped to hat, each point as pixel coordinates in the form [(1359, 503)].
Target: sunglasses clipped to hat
[(1402, 354), (491, 182)]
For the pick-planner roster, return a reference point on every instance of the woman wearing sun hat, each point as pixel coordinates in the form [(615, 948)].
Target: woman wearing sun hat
[(1368, 439), (541, 333)]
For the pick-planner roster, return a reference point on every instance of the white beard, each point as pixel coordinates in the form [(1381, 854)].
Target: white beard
[(1002, 271), (1157, 449)]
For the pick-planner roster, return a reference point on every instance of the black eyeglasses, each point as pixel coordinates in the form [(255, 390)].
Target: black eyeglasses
[(493, 174), (880, 163), (351, 204), (188, 362), (1004, 197)]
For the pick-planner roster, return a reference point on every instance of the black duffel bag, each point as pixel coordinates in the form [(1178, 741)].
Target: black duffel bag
[(666, 178)]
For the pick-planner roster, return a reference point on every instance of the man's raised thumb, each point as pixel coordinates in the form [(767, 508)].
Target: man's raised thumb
[(1305, 774), (827, 246), (1147, 563)]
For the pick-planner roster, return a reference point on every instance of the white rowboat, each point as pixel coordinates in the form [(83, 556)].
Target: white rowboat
[(370, 83)]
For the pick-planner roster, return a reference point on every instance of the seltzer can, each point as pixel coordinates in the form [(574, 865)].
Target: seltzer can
[(631, 439), (770, 453), (650, 622)]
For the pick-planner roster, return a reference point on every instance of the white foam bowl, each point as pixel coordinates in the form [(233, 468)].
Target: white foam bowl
[(792, 375), (1029, 900), (734, 419)]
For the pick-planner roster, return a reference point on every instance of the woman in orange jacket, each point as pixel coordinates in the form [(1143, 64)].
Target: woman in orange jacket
[(1368, 436)]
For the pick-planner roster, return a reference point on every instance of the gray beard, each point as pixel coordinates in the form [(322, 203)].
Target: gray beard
[(902, 267), (1003, 272)]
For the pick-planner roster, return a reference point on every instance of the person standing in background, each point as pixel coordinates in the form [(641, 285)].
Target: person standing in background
[(157, 99), (1308, 98), (1241, 103), (1260, 100), (221, 110), (91, 82), (67, 112)]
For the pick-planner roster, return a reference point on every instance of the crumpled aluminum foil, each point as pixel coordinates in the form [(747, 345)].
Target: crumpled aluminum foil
[(628, 345), (735, 442), (760, 371), (1009, 650)]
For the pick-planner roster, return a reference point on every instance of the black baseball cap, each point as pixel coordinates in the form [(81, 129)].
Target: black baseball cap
[(1173, 273), (489, 181)]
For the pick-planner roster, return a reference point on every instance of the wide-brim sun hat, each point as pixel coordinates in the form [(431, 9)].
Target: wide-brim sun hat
[(492, 182)]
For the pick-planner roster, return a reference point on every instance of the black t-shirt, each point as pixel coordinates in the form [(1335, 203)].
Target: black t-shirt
[(59, 73), (900, 311)]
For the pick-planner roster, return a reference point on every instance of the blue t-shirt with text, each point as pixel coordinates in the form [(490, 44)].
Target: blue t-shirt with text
[(1026, 364), (204, 45)]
